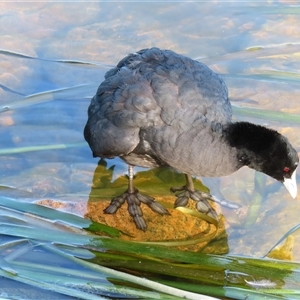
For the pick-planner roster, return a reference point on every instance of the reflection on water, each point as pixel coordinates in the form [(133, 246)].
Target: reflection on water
[(254, 45), (177, 226)]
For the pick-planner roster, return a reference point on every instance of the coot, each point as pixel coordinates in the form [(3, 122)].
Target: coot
[(159, 108)]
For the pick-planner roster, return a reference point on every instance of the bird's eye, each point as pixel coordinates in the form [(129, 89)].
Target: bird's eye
[(286, 169)]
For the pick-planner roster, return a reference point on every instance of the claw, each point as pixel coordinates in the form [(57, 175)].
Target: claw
[(205, 195), (140, 223), (111, 209), (212, 213)]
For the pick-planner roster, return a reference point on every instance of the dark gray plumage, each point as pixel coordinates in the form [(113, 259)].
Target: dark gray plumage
[(159, 108)]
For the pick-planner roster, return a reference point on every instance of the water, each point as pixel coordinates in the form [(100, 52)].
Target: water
[(60, 51)]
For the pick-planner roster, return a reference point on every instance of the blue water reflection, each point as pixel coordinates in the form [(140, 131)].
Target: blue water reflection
[(57, 35)]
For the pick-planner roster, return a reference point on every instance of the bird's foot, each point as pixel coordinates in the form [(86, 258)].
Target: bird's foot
[(201, 198), (134, 200)]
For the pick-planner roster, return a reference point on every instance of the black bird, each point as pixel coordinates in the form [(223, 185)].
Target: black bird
[(159, 108)]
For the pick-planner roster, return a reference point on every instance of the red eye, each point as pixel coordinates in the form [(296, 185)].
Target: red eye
[(286, 169)]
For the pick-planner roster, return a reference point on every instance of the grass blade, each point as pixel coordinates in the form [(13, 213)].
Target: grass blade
[(9, 151), (54, 215), (267, 115), (73, 61), (164, 268), (47, 96)]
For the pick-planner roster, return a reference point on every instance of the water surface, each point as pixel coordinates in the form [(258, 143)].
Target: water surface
[(55, 54)]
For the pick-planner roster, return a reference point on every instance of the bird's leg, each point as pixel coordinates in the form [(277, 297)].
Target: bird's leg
[(189, 182), (189, 191), (134, 199), (130, 181)]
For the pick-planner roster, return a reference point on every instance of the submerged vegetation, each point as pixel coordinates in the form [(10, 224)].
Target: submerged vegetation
[(51, 250)]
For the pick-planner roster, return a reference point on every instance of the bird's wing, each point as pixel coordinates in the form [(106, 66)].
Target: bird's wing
[(154, 88)]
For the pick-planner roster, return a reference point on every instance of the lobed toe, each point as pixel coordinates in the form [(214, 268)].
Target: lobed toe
[(155, 206), (204, 207), (158, 208), (111, 209), (115, 204), (181, 201), (145, 199), (175, 189), (140, 223)]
